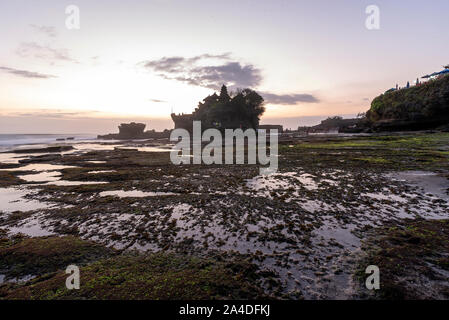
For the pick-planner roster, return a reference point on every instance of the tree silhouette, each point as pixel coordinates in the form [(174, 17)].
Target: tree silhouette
[(224, 96)]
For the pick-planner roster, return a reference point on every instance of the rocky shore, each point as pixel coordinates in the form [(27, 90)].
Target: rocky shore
[(130, 219)]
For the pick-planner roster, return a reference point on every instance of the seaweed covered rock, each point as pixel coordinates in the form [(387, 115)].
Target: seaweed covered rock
[(21, 256), (154, 276), (413, 259)]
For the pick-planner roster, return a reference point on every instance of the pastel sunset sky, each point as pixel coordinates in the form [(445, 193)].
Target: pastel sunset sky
[(139, 60)]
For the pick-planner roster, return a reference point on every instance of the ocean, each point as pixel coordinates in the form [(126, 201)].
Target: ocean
[(13, 141)]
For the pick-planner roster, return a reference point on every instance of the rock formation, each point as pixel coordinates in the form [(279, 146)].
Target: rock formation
[(133, 130), (425, 106)]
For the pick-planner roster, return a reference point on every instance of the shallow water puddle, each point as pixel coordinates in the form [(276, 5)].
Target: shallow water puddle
[(48, 173), (102, 171), (340, 234), (314, 205), (307, 181), (180, 209), (266, 182), (13, 199), (10, 158), (430, 182), (154, 149), (40, 167), (73, 183), (30, 227), (94, 147), (381, 196), (15, 280), (281, 181), (134, 194), (43, 176)]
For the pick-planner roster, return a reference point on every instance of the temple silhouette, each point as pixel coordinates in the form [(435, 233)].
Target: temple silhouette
[(242, 110)]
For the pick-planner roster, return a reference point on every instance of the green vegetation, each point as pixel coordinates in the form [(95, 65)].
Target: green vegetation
[(427, 102), (8, 179), (30, 256), (399, 152), (400, 141), (128, 276), (372, 160)]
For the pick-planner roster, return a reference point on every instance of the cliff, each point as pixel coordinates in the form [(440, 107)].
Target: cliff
[(424, 106)]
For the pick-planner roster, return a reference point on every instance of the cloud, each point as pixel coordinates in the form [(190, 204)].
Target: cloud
[(225, 56), (55, 114), (158, 101), (47, 30), (169, 65), (48, 115), (212, 71), (201, 71), (289, 98), (35, 50), (27, 74)]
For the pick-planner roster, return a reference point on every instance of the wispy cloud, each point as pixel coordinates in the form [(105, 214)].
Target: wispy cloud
[(199, 71), (158, 101), (35, 50), (289, 98), (47, 30), (55, 113), (26, 73)]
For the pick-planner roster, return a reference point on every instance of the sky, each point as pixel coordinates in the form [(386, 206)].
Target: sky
[(141, 60)]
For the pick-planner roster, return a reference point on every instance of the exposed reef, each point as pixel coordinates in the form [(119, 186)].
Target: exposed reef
[(128, 131), (298, 233)]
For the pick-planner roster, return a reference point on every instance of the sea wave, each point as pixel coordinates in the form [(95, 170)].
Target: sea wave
[(13, 141)]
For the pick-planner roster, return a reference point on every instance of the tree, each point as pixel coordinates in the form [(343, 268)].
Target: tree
[(361, 115), (224, 96)]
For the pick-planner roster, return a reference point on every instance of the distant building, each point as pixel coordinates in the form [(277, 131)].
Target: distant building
[(132, 129), (437, 74), (183, 121), (335, 124), (267, 127)]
